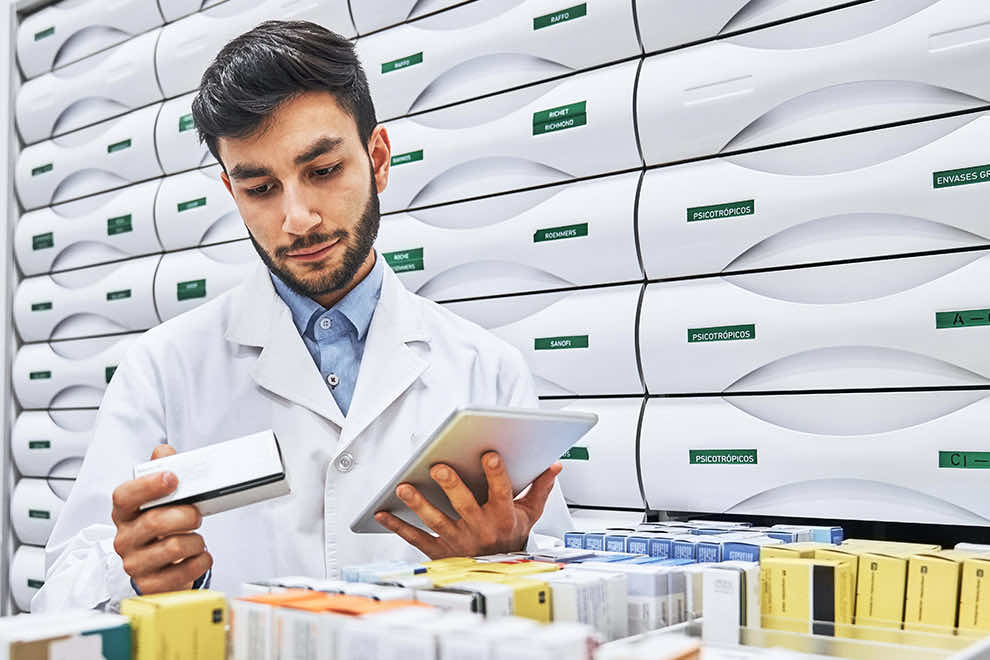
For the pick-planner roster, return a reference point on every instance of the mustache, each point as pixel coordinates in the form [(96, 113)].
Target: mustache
[(309, 241)]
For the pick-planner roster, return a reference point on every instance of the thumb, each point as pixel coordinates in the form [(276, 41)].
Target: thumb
[(162, 450), (536, 496)]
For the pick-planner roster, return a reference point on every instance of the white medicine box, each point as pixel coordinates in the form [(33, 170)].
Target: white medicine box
[(51, 443), (188, 279), (194, 208)]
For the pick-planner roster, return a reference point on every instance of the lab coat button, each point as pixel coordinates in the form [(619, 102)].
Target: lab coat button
[(326, 323), (345, 462)]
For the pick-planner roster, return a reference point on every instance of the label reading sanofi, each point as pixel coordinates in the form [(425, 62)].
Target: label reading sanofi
[(966, 318), (118, 295), (560, 343), (190, 289), (722, 456), (964, 460), (404, 261), (722, 333), (560, 118), (109, 372), (961, 177), (43, 241), (119, 225), (37, 513), (561, 16), (119, 146), (42, 169), (410, 157), (39, 444), (39, 375), (559, 233), (720, 211), (186, 123), (44, 34), (191, 204), (402, 63), (41, 307), (575, 454)]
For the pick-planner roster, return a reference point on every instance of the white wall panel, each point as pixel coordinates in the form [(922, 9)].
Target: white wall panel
[(51, 443), (194, 208)]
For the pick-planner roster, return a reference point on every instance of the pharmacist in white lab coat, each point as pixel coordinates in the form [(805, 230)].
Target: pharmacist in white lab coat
[(322, 344)]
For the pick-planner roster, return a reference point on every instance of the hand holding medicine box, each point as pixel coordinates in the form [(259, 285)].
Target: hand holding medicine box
[(223, 476)]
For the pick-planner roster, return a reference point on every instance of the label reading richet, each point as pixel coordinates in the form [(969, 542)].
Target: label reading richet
[(722, 333), (560, 118)]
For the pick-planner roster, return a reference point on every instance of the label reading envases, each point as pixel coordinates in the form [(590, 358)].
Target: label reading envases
[(186, 123), (558, 233), (719, 211), (119, 225), (410, 157), (119, 146), (190, 289), (404, 261), (722, 333), (560, 118), (402, 63), (119, 295), (191, 204), (560, 343), (561, 16), (41, 307), (722, 456), (43, 241), (965, 318), (961, 177), (964, 460)]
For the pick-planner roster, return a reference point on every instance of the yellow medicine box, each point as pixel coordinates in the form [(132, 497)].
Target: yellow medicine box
[(933, 591), (974, 605), (180, 625), (801, 550), (530, 596), (806, 595)]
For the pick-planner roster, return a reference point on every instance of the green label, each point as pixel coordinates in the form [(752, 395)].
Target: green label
[(720, 211), (119, 225), (966, 318), (561, 16), (403, 63), (119, 146), (44, 34), (39, 375), (191, 204), (186, 123), (43, 241), (410, 157), (559, 233), (39, 444), (721, 333), (41, 307), (37, 513), (961, 177), (964, 460), (560, 118), (190, 289), (405, 261), (41, 169), (722, 456), (575, 454), (35, 584), (118, 295), (109, 372), (560, 343)]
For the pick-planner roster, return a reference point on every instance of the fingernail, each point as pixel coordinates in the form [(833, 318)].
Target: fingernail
[(169, 479), (380, 517), (441, 474), (493, 460), (404, 492)]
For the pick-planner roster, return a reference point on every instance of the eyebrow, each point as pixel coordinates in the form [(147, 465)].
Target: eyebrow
[(321, 146)]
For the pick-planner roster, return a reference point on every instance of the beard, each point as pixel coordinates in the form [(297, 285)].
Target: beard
[(357, 248)]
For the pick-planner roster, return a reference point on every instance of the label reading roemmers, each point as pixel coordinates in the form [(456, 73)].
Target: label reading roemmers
[(961, 177), (560, 118), (722, 456), (559, 233), (721, 333), (191, 289), (402, 63), (966, 318), (562, 16), (411, 157), (560, 343), (119, 225), (405, 261), (720, 211)]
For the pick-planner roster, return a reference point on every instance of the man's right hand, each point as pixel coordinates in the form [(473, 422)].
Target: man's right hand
[(160, 550)]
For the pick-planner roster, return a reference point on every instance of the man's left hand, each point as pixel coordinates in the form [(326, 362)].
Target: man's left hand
[(502, 524)]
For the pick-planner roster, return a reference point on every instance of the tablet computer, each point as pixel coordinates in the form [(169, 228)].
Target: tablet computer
[(528, 441)]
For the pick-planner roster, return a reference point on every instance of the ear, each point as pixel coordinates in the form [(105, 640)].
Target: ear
[(380, 152), (226, 182)]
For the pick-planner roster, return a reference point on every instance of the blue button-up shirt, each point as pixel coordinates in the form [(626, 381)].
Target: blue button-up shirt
[(335, 337)]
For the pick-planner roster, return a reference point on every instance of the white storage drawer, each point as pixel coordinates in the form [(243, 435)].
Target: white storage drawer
[(27, 575), (173, 10), (194, 208), (371, 16), (51, 443), (35, 506), (177, 139), (190, 278)]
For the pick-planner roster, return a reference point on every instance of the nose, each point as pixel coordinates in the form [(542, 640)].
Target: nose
[(300, 217)]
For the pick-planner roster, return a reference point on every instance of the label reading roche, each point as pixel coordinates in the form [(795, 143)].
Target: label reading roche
[(559, 233), (722, 456), (719, 211), (119, 225), (966, 318), (190, 289), (560, 343), (561, 16), (402, 63), (722, 333), (404, 261), (410, 157), (961, 177), (560, 118)]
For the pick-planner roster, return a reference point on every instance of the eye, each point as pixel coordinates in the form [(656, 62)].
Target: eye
[(325, 172), (260, 191)]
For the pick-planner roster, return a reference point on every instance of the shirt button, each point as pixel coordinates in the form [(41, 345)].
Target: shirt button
[(326, 323), (334, 380), (345, 462)]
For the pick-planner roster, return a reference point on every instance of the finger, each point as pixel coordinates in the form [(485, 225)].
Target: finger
[(176, 577), (434, 518), (162, 554), (130, 495), (535, 499), (163, 521), (461, 498), (499, 486), (417, 538), (162, 450)]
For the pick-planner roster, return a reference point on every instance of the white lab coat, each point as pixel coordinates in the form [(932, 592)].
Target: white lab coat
[(237, 365)]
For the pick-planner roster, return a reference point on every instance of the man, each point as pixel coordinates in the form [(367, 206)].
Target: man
[(322, 344)]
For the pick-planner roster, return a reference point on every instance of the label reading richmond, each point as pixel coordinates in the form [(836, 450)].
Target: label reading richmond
[(119, 295), (405, 261), (410, 157), (37, 513), (722, 333), (44, 34), (720, 211), (402, 63), (43, 241), (966, 318), (41, 307), (186, 123), (561, 16), (964, 460), (191, 204), (39, 375), (39, 444), (575, 454), (961, 177), (559, 233), (42, 169), (119, 146), (109, 372), (119, 225), (722, 456), (560, 343), (190, 289), (560, 118)]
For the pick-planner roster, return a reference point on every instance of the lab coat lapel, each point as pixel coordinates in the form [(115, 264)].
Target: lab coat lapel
[(389, 366), (284, 367)]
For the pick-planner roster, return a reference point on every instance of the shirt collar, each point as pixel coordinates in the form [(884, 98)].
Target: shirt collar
[(358, 306)]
